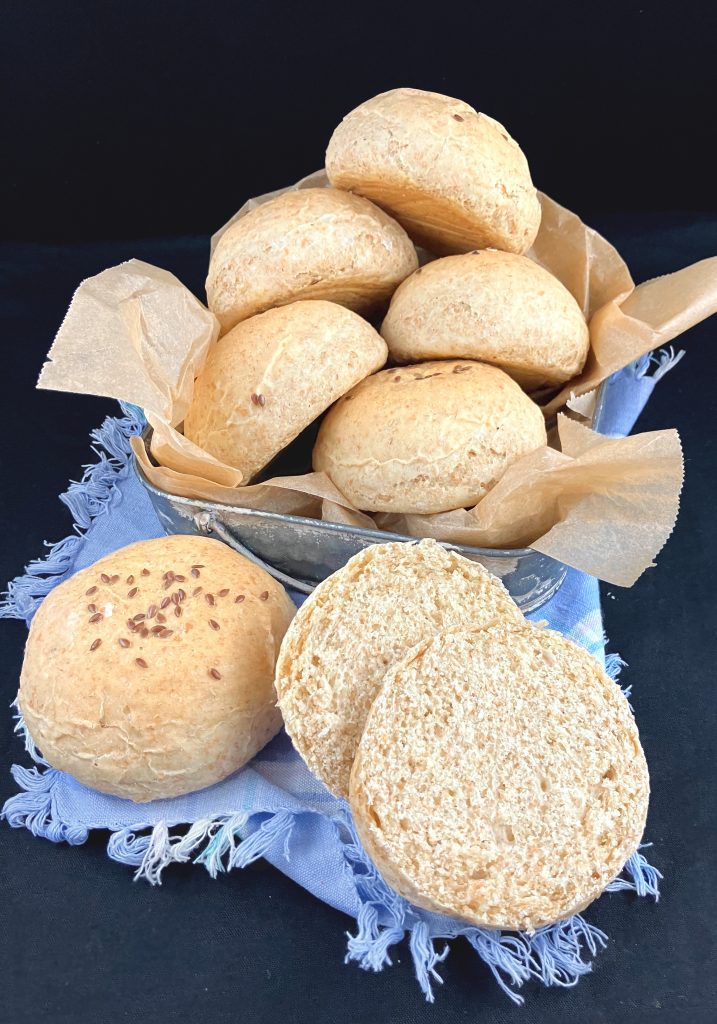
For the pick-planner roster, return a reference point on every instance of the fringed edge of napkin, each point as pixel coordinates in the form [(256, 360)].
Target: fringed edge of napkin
[(553, 955), (86, 499)]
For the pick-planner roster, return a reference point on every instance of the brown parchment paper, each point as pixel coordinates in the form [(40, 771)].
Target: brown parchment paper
[(602, 505)]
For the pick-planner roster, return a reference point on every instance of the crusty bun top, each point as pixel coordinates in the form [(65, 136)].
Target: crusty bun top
[(313, 243), (453, 177), (150, 673), (500, 777), (273, 375), (427, 438), (355, 625), (493, 306)]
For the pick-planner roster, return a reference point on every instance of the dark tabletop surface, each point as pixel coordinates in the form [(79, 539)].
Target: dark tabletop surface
[(81, 943)]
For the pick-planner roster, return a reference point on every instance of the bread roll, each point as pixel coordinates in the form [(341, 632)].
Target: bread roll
[(453, 177), (271, 376), (313, 243), (150, 674), (427, 438), (500, 778), (493, 306), (355, 625)]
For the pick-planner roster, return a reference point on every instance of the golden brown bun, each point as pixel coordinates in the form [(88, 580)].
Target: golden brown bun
[(427, 438), (355, 625), (453, 177), (272, 375), (500, 777), (314, 243), (172, 702), (493, 306)]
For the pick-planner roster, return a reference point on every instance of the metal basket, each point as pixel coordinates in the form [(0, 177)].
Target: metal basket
[(301, 552)]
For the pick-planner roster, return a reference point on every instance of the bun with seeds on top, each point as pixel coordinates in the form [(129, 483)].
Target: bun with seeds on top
[(151, 673)]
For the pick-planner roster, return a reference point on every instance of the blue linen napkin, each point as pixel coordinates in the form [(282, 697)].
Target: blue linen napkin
[(274, 807)]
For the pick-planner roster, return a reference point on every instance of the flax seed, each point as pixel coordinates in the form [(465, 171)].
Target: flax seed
[(95, 644)]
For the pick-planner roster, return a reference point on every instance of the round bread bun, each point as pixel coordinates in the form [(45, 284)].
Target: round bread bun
[(355, 625), (150, 674), (427, 438), (500, 778), (271, 376), (454, 178), (493, 306), (313, 243)]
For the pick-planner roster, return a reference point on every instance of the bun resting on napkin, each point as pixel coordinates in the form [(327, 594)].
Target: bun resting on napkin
[(274, 374), (355, 625), (500, 777), (427, 438), (493, 306), (313, 243), (454, 178), (151, 673)]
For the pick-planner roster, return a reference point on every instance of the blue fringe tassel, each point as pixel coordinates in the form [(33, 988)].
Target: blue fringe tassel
[(34, 807), (553, 955), (86, 499)]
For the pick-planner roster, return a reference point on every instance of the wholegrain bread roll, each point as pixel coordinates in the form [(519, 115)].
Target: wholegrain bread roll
[(427, 438), (313, 243), (355, 625), (493, 306), (272, 375), (500, 777), (454, 178), (150, 674)]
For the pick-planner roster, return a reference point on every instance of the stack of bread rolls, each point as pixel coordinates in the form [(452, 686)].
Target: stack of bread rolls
[(468, 335), (493, 769)]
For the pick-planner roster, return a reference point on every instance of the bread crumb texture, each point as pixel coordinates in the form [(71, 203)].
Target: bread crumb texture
[(500, 777), (150, 673), (355, 625)]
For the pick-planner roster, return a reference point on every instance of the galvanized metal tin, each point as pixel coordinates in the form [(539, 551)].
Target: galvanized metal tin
[(301, 552)]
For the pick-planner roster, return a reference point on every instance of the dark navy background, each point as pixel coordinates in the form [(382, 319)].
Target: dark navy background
[(90, 176)]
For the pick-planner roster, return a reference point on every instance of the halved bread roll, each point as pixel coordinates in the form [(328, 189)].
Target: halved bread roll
[(355, 625), (500, 777)]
